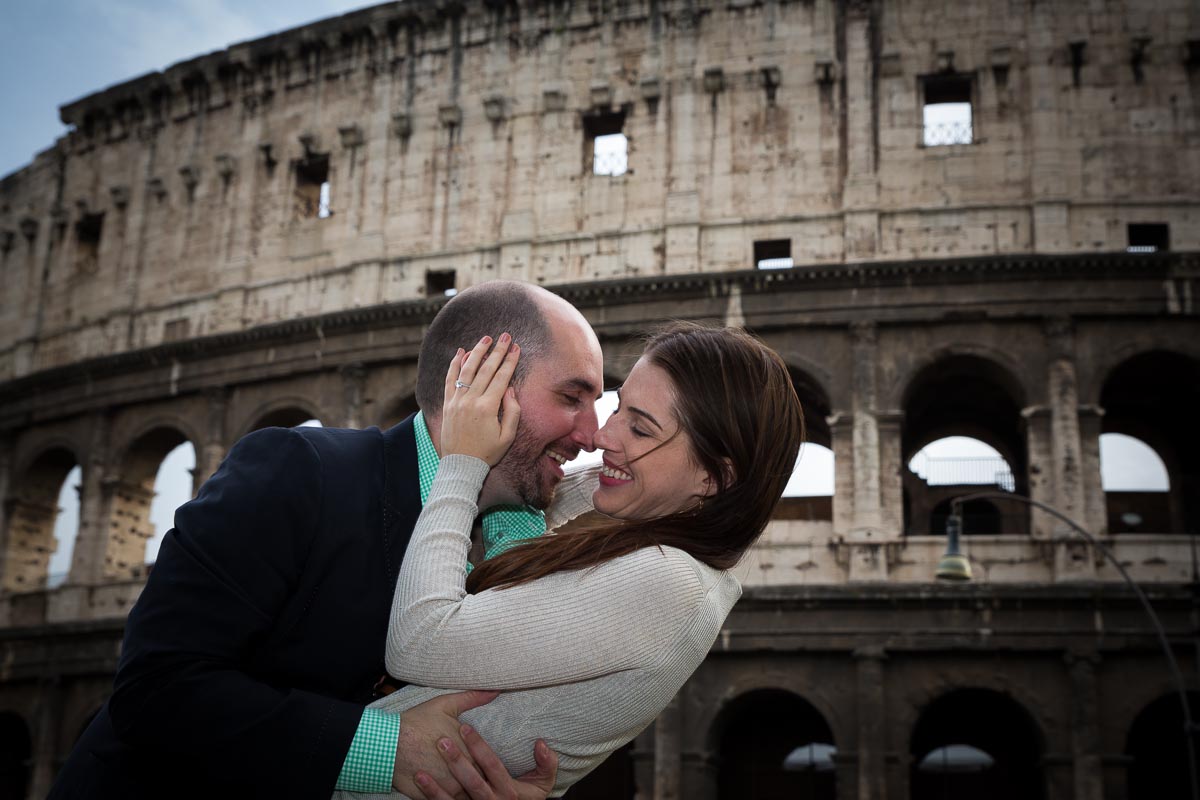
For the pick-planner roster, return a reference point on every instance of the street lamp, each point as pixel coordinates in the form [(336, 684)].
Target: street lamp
[(954, 567)]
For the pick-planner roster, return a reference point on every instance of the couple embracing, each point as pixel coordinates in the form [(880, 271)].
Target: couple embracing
[(315, 560)]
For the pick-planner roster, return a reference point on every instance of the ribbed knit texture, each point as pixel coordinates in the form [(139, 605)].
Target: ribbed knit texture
[(588, 658)]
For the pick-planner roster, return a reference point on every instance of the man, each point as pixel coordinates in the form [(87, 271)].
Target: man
[(259, 638)]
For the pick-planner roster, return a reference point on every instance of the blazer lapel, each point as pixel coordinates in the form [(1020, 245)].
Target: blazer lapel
[(401, 494)]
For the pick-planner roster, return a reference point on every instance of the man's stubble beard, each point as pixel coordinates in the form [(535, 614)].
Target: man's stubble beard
[(521, 471)]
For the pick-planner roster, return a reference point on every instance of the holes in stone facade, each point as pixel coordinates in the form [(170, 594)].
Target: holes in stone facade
[(947, 110), (87, 241), (1148, 237), (33, 510), (605, 144), (773, 254), (440, 283), (313, 188)]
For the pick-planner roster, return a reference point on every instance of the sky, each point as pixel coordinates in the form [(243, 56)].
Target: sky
[(53, 52)]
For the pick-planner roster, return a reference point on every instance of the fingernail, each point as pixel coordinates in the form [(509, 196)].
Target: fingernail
[(422, 779), (485, 340), (466, 730), (504, 337), (444, 745)]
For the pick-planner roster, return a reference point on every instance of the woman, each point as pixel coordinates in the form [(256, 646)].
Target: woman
[(590, 634)]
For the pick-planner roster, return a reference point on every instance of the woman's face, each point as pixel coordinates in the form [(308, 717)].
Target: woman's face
[(642, 477)]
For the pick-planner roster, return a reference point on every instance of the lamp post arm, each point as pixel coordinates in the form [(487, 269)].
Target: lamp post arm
[(1176, 674)]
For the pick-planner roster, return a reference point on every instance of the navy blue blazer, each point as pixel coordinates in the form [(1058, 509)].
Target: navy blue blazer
[(260, 634)]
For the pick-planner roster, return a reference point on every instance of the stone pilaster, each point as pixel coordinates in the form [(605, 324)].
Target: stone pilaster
[(354, 380), (667, 755), (872, 743), (1073, 559), (868, 556), (841, 430), (1085, 726), (87, 559), (212, 451), (5, 482), (860, 195), (47, 725)]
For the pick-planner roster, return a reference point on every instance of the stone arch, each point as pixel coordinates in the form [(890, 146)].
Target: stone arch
[(989, 722), (898, 390), (1156, 749), (16, 756), (1094, 373), (1153, 396), (130, 491), (283, 412), (32, 508), (773, 743), (963, 395)]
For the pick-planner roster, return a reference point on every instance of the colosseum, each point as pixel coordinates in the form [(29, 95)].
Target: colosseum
[(967, 219)]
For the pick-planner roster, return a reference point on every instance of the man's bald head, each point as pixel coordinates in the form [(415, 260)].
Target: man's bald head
[(487, 309)]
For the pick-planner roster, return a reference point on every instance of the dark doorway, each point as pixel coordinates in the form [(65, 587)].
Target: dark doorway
[(1157, 749), (775, 746), (16, 751), (612, 780), (975, 743)]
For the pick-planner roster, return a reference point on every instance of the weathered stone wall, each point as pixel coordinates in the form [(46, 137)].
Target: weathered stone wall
[(455, 141)]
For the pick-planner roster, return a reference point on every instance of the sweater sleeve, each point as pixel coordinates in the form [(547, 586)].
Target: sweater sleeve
[(528, 635)]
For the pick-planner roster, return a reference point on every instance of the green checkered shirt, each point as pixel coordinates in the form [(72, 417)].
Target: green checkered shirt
[(371, 758)]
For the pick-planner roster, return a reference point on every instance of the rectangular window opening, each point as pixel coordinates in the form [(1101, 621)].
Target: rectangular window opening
[(773, 254), (440, 283), (947, 114), (313, 188), (1149, 237), (606, 145), (87, 240)]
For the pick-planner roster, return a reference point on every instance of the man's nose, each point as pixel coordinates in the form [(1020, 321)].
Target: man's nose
[(586, 425)]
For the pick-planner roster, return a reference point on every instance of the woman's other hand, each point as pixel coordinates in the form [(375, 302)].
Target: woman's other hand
[(480, 411)]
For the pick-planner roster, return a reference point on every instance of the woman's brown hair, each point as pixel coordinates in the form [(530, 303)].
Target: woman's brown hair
[(735, 402)]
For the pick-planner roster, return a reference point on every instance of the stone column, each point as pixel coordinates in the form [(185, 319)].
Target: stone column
[(87, 560), (212, 450), (1039, 467), (1085, 726), (1073, 558), (667, 755), (354, 380), (872, 743)]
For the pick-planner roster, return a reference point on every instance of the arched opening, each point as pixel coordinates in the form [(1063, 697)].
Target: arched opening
[(174, 485), (975, 743), (809, 493), (66, 528), (1153, 398), (16, 753), (951, 467), (1157, 750), (1137, 488), (612, 780), (963, 432), (774, 745), (131, 526), (32, 516)]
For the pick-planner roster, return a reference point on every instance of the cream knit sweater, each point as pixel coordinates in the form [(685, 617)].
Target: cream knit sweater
[(587, 659)]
